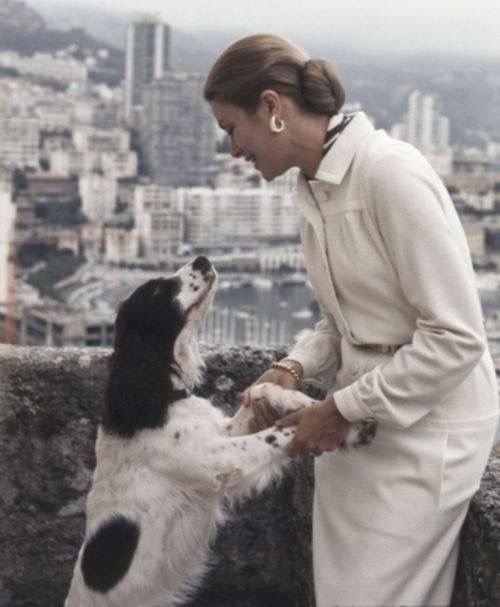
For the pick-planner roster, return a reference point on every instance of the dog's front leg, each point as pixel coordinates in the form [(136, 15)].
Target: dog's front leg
[(239, 424), (246, 464)]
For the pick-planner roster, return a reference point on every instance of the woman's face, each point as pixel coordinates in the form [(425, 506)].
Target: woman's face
[(251, 137)]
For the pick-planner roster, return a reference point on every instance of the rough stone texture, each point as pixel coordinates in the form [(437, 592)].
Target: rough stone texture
[(478, 575), (50, 402)]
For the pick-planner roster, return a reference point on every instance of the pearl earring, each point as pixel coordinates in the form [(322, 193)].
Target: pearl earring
[(275, 128)]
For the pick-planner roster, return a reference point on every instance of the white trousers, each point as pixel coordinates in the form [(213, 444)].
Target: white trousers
[(387, 516)]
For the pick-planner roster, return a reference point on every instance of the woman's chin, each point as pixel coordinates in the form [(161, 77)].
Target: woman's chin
[(268, 174)]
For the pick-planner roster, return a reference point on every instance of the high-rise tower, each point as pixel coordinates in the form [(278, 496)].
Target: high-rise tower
[(147, 58), (427, 129)]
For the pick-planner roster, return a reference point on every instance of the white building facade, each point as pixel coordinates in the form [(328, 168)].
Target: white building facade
[(98, 194), (96, 150), (231, 216), (19, 142), (121, 244), (159, 221), (45, 65), (427, 129)]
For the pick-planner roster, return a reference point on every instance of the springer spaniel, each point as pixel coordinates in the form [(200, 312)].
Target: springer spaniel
[(167, 460)]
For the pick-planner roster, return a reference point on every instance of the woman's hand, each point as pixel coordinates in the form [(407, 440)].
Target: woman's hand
[(320, 428), (264, 414)]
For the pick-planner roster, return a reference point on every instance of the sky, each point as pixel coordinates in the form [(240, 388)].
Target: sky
[(458, 26)]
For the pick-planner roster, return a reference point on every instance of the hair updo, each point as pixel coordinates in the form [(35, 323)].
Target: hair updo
[(264, 61)]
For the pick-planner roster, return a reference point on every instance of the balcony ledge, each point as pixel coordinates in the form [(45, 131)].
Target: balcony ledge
[(49, 409)]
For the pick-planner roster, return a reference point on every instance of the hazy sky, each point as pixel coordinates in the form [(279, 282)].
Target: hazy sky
[(405, 25)]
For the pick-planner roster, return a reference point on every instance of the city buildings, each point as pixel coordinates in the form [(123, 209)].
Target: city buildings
[(56, 324), (98, 196), (19, 142), (134, 176), (147, 58), (94, 150), (159, 222), (427, 129), (238, 217), (178, 132), (45, 65)]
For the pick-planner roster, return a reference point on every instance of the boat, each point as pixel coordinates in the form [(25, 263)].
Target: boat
[(262, 283), (245, 311), (304, 313), (297, 278)]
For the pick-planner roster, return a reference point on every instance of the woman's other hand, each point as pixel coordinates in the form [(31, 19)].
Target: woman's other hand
[(320, 428)]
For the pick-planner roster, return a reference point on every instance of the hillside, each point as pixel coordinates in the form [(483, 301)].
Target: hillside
[(14, 13), (190, 52), (24, 30)]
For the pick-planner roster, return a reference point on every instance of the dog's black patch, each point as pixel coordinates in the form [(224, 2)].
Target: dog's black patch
[(367, 430), (109, 552), (202, 264), (139, 388), (270, 439)]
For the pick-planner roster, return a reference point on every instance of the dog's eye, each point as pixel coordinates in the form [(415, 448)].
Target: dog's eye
[(157, 290)]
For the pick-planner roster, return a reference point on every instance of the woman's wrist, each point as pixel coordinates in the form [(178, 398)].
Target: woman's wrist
[(330, 407), (292, 367)]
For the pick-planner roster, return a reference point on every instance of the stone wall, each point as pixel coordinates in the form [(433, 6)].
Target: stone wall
[(50, 402)]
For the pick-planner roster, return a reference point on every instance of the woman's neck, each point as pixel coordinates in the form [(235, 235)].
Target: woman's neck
[(307, 141)]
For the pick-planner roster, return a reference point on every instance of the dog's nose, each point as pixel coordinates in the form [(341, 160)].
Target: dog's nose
[(202, 264)]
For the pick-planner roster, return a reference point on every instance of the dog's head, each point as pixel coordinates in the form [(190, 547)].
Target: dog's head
[(156, 355), (161, 308)]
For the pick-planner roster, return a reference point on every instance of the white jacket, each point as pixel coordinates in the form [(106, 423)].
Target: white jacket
[(389, 262)]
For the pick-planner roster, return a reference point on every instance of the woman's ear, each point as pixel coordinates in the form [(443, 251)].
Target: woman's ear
[(272, 102)]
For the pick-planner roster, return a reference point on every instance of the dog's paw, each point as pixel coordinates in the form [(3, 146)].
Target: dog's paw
[(283, 400), (266, 390), (361, 433)]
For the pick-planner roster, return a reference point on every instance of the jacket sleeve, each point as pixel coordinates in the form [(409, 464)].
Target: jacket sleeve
[(427, 247), (318, 352)]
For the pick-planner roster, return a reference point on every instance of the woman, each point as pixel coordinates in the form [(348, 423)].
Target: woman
[(401, 339)]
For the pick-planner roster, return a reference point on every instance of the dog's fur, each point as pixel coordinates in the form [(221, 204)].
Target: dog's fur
[(166, 459)]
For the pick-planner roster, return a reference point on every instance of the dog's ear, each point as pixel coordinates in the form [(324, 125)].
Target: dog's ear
[(138, 391), (139, 387), (119, 306)]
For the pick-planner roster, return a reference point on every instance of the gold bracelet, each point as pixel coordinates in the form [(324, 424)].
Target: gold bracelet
[(283, 366)]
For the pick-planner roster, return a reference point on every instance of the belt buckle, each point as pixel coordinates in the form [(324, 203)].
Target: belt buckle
[(383, 348), (386, 349)]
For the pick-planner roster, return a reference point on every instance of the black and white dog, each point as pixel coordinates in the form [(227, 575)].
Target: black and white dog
[(166, 459)]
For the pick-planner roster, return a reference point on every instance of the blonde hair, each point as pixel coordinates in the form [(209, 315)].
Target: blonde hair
[(264, 61)]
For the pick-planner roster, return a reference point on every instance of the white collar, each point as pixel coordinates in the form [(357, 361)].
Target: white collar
[(337, 160)]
